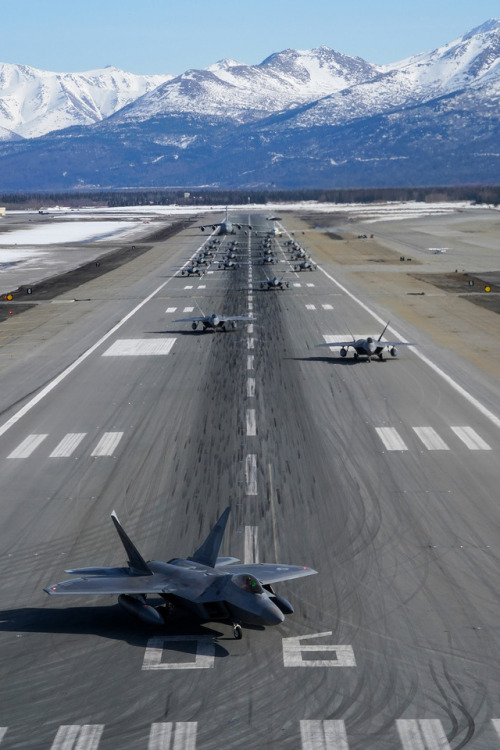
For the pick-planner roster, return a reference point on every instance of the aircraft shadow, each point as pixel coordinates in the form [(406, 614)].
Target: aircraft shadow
[(344, 361), (197, 332), (109, 622)]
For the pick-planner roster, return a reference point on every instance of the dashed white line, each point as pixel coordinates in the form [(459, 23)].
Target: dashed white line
[(250, 361), (250, 387), (107, 444), (251, 474), (327, 307), (310, 307), (27, 446), (190, 286), (68, 445), (310, 284), (188, 309), (251, 423), (391, 439), (250, 328), (471, 439), (251, 553), (250, 343), (430, 439), (170, 309)]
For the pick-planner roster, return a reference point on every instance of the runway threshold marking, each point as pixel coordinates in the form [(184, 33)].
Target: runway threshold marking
[(2, 732), (422, 734), (107, 444), (442, 374), (139, 347), (471, 439), (27, 446), (180, 735), (391, 439), (323, 735), (430, 439), (204, 657), (68, 445), (78, 737)]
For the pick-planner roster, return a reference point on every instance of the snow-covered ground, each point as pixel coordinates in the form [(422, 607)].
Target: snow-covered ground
[(71, 231)]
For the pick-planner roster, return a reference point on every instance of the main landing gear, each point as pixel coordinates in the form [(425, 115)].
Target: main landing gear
[(237, 631)]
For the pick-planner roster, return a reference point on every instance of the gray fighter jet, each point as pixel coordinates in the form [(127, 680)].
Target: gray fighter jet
[(214, 321), (210, 587), (275, 283), (192, 270), (305, 265), (369, 347)]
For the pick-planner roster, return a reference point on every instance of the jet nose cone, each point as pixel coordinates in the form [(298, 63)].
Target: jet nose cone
[(273, 615)]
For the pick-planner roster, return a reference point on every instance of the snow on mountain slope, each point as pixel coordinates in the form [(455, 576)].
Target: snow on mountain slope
[(239, 92), (34, 102), (465, 62)]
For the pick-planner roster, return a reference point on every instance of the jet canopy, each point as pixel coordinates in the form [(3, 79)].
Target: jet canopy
[(248, 583)]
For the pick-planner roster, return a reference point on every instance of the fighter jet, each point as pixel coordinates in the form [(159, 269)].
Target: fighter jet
[(214, 322), (226, 226), (228, 263), (193, 270), (305, 265), (275, 283), (369, 347), (209, 587)]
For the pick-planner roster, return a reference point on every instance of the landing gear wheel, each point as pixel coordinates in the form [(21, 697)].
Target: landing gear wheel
[(237, 631)]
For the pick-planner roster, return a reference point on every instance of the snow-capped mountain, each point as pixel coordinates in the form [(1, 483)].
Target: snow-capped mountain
[(299, 119), (235, 91), (34, 102)]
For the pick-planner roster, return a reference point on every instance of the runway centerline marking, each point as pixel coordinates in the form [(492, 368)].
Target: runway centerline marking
[(251, 423), (250, 387), (251, 551), (251, 474), (458, 388), (250, 361)]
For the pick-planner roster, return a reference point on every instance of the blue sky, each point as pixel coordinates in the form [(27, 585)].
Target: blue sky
[(170, 36)]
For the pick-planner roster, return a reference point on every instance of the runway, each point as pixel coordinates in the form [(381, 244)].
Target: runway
[(380, 475)]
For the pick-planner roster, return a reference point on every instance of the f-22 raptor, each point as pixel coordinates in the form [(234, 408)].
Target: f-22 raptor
[(369, 347), (210, 587)]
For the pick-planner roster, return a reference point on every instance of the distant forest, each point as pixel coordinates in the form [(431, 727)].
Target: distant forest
[(154, 197)]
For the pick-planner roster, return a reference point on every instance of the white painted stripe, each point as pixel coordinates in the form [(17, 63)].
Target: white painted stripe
[(251, 474), (250, 387), (27, 447), (250, 343), (471, 439), (250, 328), (204, 658), (183, 734), (2, 732), (309, 284), (458, 388), (297, 283), (188, 309), (323, 735), (190, 286), (251, 423), (310, 307), (496, 724), (250, 361), (391, 439), (422, 734), (78, 737), (430, 439), (170, 309), (159, 736), (68, 445), (107, 444), (202, 286), (327, 307), (251, 553), (139, 347), (250, 307)]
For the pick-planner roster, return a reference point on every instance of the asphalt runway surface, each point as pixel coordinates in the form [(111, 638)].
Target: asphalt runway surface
[(380, 475)]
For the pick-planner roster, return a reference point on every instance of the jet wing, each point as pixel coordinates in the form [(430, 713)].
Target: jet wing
[(113, 584), (188, 320), (228, 318), (271, 573), (396, 343), (339, 343)]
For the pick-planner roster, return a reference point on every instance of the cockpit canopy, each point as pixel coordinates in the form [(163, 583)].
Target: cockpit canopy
[(248, 583)]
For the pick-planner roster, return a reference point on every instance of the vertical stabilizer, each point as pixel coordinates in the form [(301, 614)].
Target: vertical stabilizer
[(135, 559), (207, 553)]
